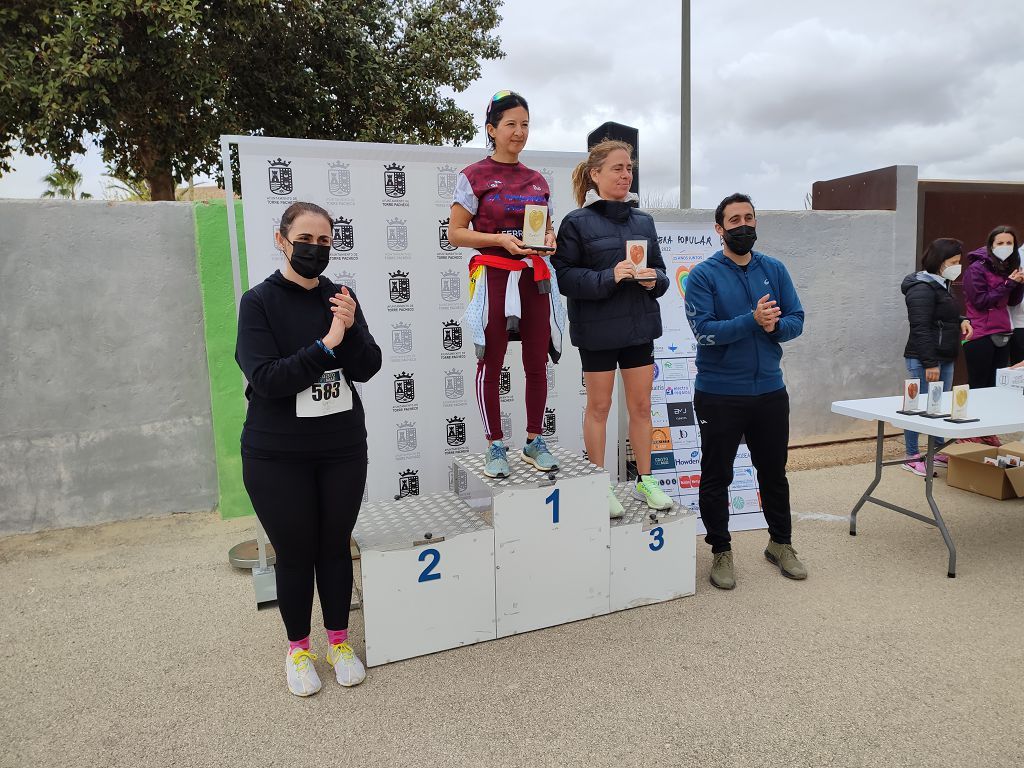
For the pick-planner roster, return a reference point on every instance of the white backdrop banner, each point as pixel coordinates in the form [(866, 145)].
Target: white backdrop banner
[(390, 205), (675, 458)]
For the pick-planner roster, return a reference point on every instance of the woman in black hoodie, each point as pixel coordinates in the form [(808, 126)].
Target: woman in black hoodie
[(936, 329), (302, 341)]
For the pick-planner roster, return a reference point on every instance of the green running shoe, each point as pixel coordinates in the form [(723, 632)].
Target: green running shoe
[(646, 489)]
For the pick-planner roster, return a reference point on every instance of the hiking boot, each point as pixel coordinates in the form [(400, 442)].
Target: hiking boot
[(784, 556), (722, 575)]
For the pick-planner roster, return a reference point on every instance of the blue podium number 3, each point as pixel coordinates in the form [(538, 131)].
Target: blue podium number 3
[(659, 538), (428, 574), (553, 501)]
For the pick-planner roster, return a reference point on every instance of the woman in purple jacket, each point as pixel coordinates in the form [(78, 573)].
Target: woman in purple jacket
[(993, 281)]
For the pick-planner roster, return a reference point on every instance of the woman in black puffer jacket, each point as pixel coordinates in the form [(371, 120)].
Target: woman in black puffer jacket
[(936, 329), (614, 316)]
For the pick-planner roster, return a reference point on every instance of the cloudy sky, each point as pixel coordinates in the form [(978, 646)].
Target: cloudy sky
[(784, 93)]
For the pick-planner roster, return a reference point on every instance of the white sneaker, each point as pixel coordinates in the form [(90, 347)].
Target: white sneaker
[(302, 677), (347, 667)]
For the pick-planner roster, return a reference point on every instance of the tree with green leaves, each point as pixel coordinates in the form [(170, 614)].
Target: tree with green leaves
[(64, 181), (154, 83)]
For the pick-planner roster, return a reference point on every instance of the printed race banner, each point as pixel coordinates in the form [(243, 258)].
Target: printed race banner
[(675, 459), (390, 207)]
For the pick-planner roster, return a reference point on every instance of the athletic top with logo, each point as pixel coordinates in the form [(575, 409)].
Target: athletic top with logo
[(301, 401), (496, 194)]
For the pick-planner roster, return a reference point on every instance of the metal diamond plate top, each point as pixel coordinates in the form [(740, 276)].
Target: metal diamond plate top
[(523, 474), (392, 524), (637, 511)]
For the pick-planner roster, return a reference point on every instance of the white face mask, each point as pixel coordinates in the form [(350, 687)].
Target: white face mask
[(1002, 252), (951, 273)]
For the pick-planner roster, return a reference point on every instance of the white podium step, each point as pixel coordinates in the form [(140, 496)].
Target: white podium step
[(512, 555), (427, 568), (653, 554), (551, 539)]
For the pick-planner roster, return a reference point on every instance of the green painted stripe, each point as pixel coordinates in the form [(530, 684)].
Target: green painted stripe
[(227, 399)]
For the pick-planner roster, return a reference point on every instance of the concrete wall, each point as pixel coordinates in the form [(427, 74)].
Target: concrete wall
[(105, 389), (847, 267), (104, 393)]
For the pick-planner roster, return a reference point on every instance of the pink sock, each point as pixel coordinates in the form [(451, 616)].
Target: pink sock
[(335, 636), (303, 644)]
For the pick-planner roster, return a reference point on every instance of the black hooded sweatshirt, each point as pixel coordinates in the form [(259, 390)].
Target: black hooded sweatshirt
[(279, 323), (934, 321)]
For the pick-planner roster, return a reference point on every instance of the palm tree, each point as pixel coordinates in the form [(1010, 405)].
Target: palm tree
[(64, 182)]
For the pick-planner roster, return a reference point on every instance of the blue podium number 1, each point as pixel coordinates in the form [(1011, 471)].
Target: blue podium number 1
[(658, 534), (553, 501), (428, 574)]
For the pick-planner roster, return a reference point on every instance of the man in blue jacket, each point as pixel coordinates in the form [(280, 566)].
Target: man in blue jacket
[(741, 306)]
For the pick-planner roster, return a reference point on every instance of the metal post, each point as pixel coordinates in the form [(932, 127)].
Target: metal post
[(685, 133), (229, 195), (263, 578)]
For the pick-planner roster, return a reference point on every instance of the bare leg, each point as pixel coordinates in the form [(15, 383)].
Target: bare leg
[(638, 383), (600, 385)]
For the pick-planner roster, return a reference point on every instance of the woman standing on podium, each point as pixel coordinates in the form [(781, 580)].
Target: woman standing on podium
[(613, 303), (512, 291), (302, 341)]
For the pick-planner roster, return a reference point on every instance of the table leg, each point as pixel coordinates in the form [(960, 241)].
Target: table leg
[(939, 523), (879, 445)]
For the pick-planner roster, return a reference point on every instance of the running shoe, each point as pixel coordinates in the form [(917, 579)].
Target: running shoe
[(348, 669), (302, 677), (497, 460), (647, 489), (615, 510), (536, 452)]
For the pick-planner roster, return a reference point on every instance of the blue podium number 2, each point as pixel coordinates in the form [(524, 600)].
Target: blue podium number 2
[(428, 574), (553, 501), (659, 538)]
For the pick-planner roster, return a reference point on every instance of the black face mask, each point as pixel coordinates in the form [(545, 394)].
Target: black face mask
[(740, 239), (309, 259)]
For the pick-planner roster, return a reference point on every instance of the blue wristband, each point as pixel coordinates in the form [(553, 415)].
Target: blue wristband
[(324, 347)]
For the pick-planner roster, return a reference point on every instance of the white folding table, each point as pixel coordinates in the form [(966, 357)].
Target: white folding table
[(998, 410)]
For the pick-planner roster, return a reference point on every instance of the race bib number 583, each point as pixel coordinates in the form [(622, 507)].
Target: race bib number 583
[(331, 394)]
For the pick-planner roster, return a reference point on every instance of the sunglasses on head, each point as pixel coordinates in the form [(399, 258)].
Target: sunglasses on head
[(498, 97)]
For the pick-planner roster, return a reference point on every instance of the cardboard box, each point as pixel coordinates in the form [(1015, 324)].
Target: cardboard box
[(968, 471)]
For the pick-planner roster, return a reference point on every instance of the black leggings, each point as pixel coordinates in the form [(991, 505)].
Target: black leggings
[(983, 358), (1017, 346), (308, 508)]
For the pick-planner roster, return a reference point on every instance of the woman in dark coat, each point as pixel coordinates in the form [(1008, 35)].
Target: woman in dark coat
[(614, 316), (936, 329)]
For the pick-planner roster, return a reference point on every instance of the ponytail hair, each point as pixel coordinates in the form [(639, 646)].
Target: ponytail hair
[(581, 180)]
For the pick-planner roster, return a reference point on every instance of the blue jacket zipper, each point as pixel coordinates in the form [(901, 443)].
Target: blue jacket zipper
[(750, 300)]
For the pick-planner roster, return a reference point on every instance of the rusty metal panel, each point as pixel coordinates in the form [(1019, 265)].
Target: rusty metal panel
[(869, 191)]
